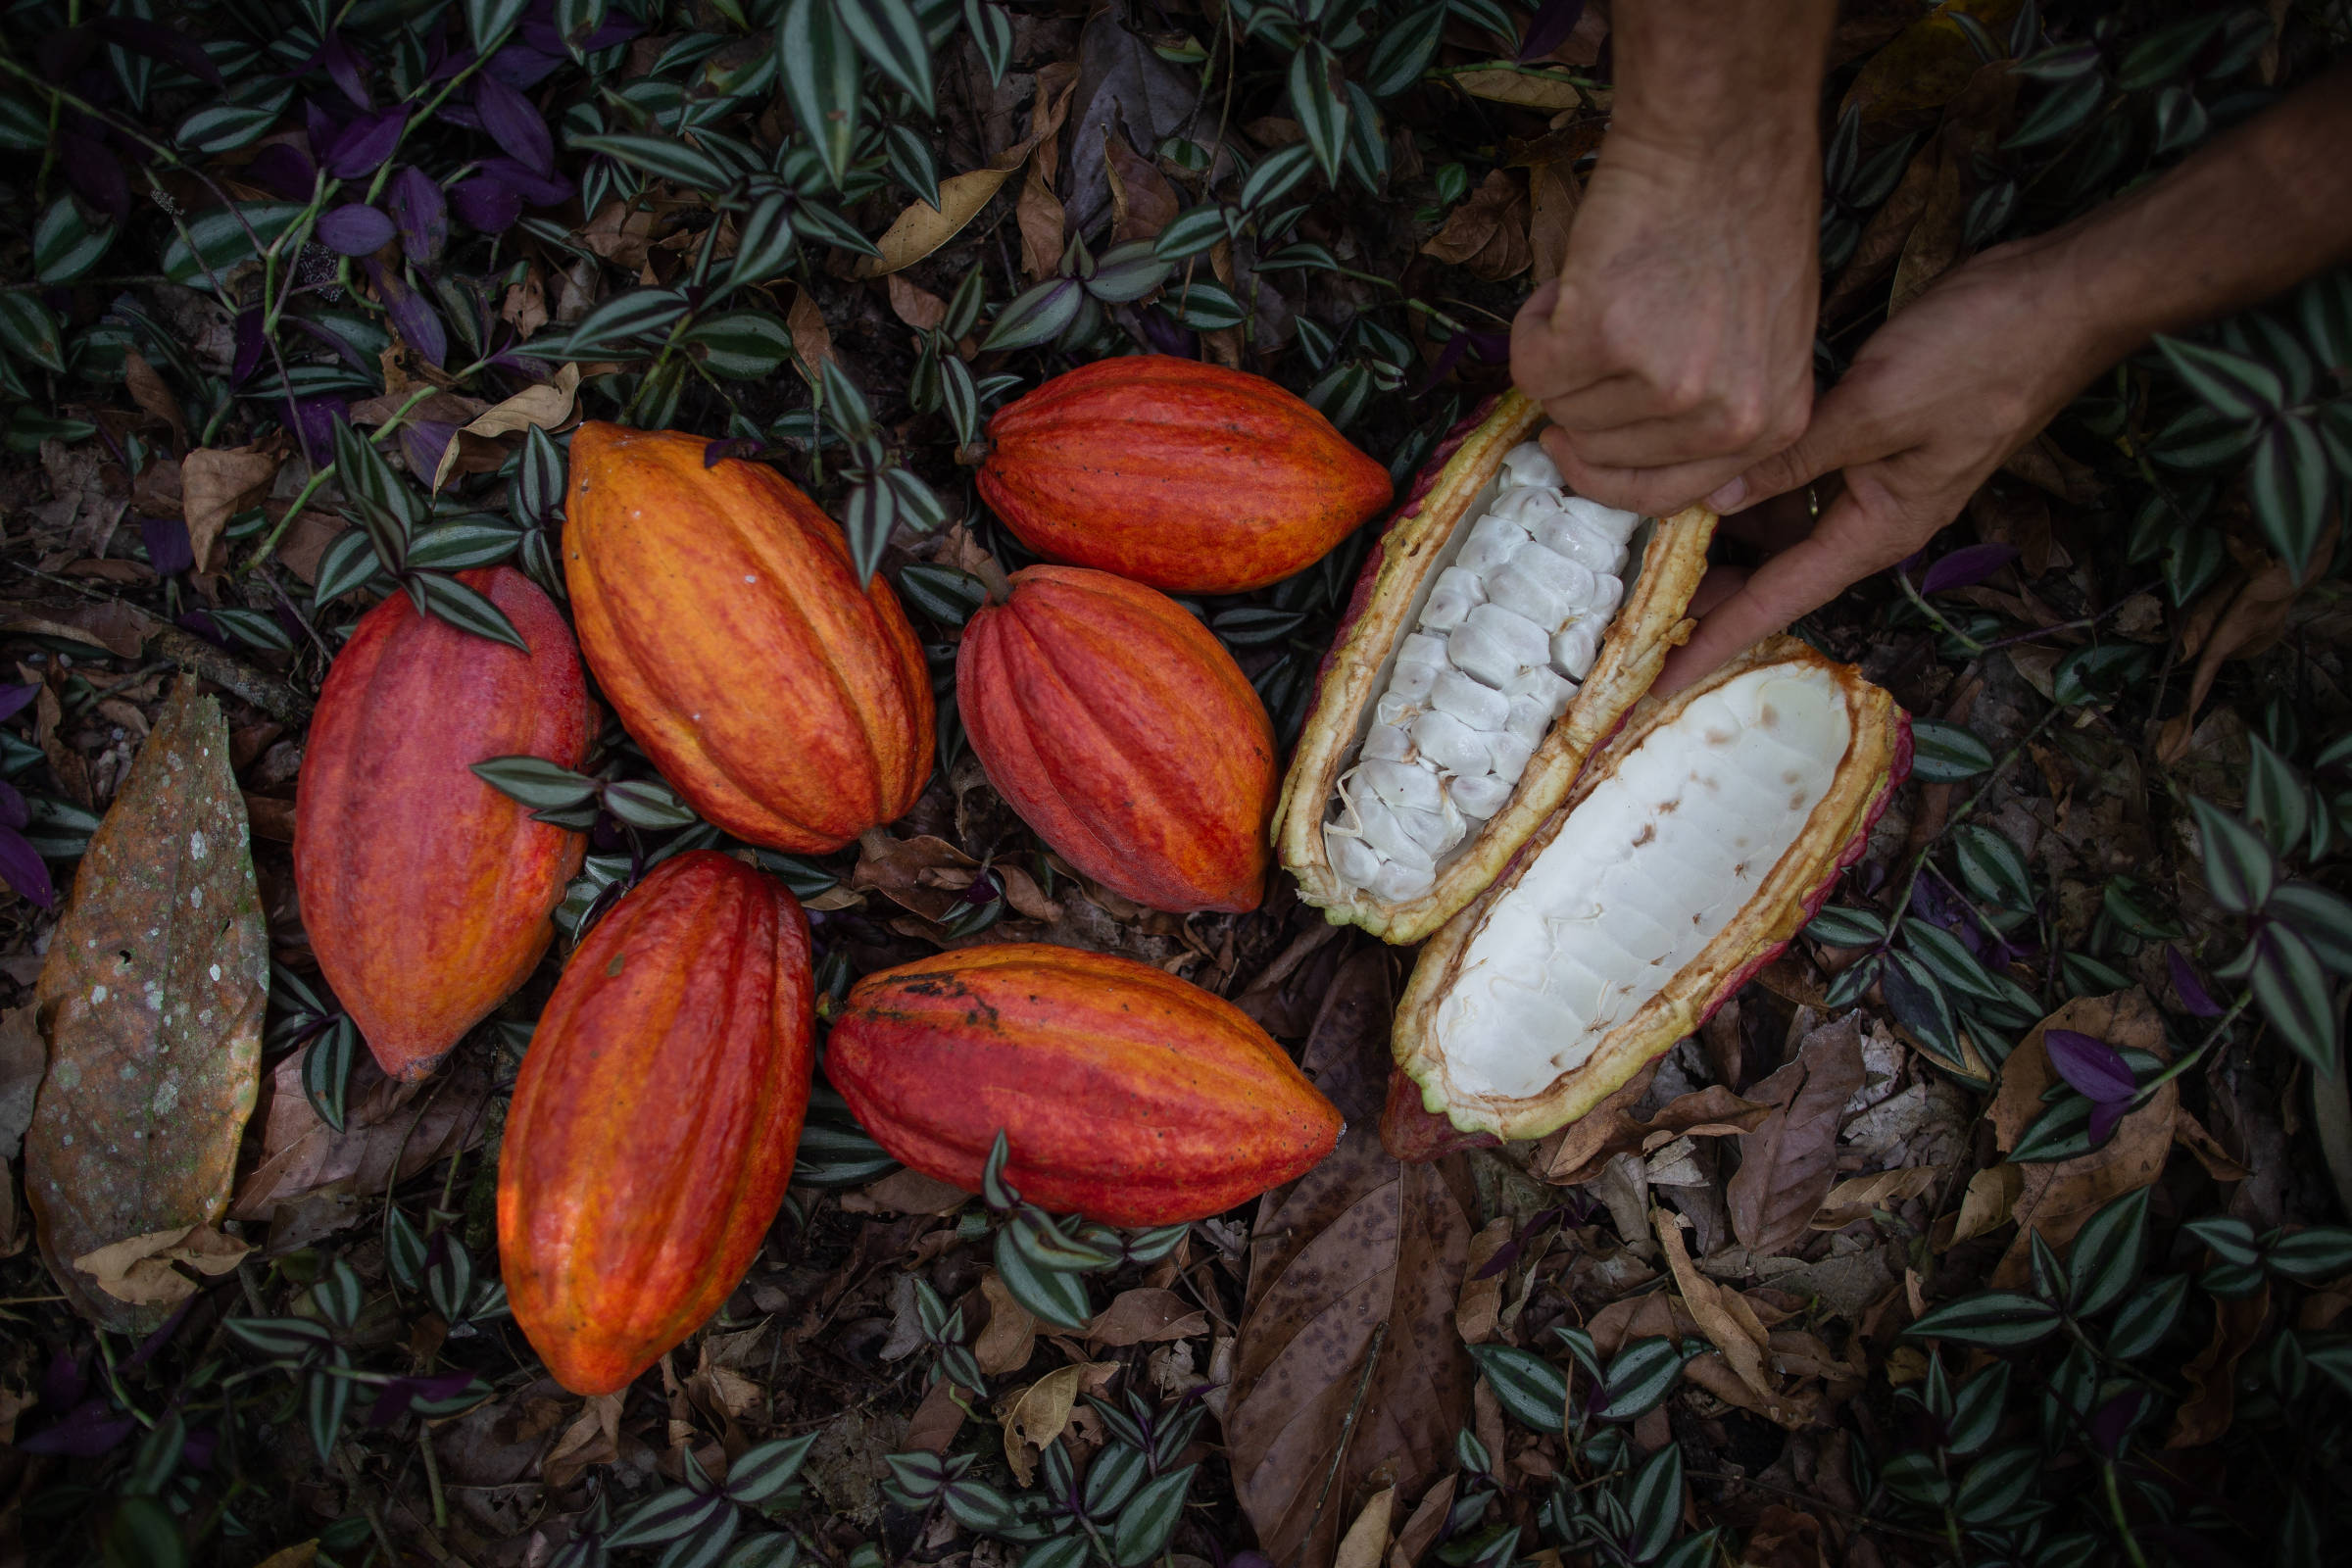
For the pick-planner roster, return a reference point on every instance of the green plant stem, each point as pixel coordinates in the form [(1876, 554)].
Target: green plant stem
[(2115, 1509), (2221, 1027), (432, 1475), (1911, 592)]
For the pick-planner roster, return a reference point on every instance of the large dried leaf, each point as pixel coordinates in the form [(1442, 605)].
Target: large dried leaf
[(215, 485), (1788, 1162), (152, 999), (1126, 89), (1359, 1248), (391, 1131)]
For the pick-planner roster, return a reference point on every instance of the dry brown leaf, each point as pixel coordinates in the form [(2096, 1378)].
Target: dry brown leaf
[(939, 1418), (1933, 242), (1139, 1317), (621, 232), (812, 339), (308, 1167), (1010, 1337), (1787, 1164), (1359, 1245), (1523, 88), (1710, 1112), (1927, 65), (24, 1058), (1038, 1414), (524, 306), (1037, 212), (1486, 234), (151, 998), (2220, 1165), (1856, 1198), (2056, 1198), (1428, 1517), (1723, 1317), (1366, 1543), (154, 397), (592, 1438), (921, 228), (475, 448), (2213, 1376), (915, 305), (1886, 235), (215, 485), (1141, 201), (1479, 1307), (1985, 1205), (139, 1271), (905, 1191), (2246, 619), (1554, 195)]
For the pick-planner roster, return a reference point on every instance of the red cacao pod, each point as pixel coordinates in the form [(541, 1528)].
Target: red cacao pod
[(719, 611), (1187, 477), (1123, 732), (654, 1119), (1694, 845), (425, 891), (1124, 1093)]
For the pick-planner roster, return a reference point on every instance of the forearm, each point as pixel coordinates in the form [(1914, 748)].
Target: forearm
[(1713, 77), (2246, 217)]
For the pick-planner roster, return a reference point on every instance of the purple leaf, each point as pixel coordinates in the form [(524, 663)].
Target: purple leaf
[(203, 1442), (1442, 366), (415, 319), (2112, 1420), (510, 121), (161, 1335), (168, 45), (203, 626), (539, 31), (14, 813), (344, 66), (1549, 27), (400, 1392), (168, 550), (95, 174), (251, 345), (88, 1430), (355, 229), (2185, 984), (23, 868), (2103, 1118), (717, 452), (2090, 1065), (1965, 567), (422, 441), (283, 169), (1170, 337), (535, 188), (520, 66), (488, 204), (313, 420), (63, 1384), (14, 699), (320, 123), (422, 213), (361, 147)]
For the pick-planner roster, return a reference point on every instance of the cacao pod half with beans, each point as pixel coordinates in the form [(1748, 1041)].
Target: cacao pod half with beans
[(1694, 845), (1123, 732), (1499, 630), (1184, 475), (653, 1128), (1125, 1094), (719, 611), (427, 893)]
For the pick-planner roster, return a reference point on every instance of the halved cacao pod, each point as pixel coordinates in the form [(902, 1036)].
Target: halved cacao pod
[(1123, 732), (1696, 844), (1125, 1094), (426, 894), (653, 1128), (719, 611), (1496, 707), (1185, 475)]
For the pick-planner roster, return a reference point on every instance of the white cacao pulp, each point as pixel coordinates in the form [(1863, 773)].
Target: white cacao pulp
[(1507, 630)]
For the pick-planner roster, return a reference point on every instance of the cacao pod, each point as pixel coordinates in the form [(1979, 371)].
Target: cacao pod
[(653, 1123), (1125, 1094), (719, 611), (1499, 630), (1123, 732), (1697, 843), (427, 893), (1187, 477)]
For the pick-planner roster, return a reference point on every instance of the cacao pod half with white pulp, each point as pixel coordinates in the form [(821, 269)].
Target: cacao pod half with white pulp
[(1698, 842), (1499, 631)]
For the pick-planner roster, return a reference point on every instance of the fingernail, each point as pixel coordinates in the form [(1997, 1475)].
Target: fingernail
[(1727, 496)]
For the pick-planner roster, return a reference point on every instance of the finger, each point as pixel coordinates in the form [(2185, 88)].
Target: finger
[(1550, 359), (1719, 584), (1652, 492), (1801, 578), (1840, 435), (1608, 401)]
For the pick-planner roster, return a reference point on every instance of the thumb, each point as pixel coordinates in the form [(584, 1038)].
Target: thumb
[(1834, 438), (1803, 577)]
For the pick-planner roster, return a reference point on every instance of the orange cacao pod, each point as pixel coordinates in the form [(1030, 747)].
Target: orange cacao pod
[(653, 1122), (1184, 475), (1124, 1093), (719, 611), (1123, 732), (425, 891)]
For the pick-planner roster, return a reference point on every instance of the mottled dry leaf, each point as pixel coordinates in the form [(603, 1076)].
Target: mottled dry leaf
[(152, 999), (1788, 1162), (1366, 1544), (1010, 1338), (1854, 1200), (2056, 1198), (1488, 234), (215, 485), (1136, 1316), (2212, 1377), (475, 448), (1358, 1243), (1037, 1415)]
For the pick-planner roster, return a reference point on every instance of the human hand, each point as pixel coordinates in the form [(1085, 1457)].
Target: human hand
[(1675, 350), (1937, 399)]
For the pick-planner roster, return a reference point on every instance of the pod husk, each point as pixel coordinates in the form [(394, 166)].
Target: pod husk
[(1649, 625), (1426, 1117)]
